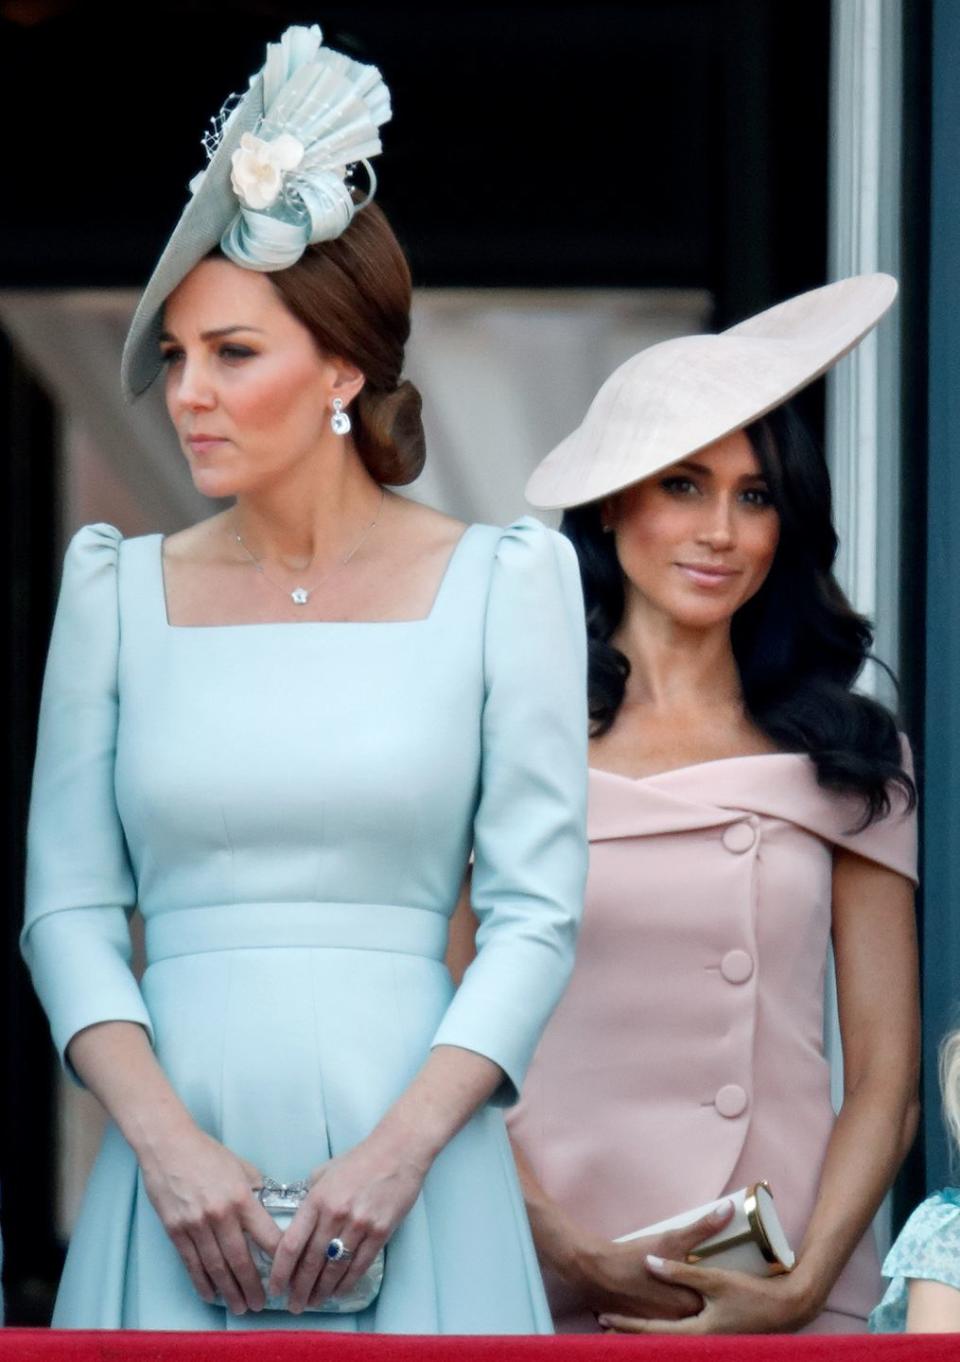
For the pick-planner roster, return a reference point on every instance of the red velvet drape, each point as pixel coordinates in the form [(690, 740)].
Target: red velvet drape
[(52, 1345)]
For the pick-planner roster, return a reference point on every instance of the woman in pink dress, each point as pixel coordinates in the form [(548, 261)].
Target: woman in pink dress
[(746, 806)]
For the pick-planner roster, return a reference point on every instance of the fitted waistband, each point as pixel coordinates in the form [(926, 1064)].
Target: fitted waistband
[(264, 926)]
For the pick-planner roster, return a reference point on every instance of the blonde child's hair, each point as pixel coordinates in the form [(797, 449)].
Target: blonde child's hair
[(950, 1084)]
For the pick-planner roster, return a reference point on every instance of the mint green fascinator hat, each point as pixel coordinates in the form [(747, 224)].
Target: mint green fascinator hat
[(279, 177)]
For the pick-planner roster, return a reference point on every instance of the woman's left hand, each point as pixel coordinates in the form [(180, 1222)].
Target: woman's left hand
[(733, 1303), (359, 1198)]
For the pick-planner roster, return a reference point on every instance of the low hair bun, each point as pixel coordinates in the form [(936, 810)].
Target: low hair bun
[(353, 295), (388, 433)]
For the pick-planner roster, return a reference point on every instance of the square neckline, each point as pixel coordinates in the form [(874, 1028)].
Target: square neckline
[(448, 572)]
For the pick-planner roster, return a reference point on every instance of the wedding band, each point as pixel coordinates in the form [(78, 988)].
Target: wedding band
[(337, 1252)]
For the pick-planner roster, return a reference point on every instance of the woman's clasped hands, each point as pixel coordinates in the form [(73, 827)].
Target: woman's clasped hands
[(614, 1277), (355, 1200), (732, 1302), (204, 1196)]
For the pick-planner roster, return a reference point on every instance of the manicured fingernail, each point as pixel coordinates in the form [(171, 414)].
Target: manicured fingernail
[(654, 1261), (721, 1210), (603, 1321)]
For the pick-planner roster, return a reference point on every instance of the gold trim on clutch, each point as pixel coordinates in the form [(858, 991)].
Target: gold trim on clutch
[(721, 1246), (755, 1221), (756, 1234)]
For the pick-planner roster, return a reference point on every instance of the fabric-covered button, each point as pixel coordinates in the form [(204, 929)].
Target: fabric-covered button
[(736, 967), (739, 837), (731, 1100)]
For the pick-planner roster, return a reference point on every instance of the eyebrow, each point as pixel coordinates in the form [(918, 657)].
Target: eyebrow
[(689, 466), (214, 335)]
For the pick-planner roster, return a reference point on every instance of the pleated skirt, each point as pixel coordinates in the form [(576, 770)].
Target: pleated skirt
[(289, 1055)]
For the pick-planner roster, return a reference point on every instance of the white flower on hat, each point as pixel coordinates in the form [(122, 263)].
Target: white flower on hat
[(259, 168)]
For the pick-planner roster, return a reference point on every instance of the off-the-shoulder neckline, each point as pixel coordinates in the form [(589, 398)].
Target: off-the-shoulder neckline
[(697, 766), (442, 586)]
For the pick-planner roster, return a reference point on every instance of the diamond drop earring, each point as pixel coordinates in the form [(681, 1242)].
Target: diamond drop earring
[(340, 422)]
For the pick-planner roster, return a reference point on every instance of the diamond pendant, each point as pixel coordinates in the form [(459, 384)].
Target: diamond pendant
[(300, 595)]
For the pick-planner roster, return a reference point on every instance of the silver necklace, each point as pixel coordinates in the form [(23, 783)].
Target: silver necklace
[(300, 595)]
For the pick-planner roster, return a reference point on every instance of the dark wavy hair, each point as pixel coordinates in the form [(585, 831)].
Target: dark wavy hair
[(798, 643)]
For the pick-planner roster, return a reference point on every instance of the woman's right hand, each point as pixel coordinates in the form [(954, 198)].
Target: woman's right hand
[(602, 1271), (202, 1194), (199, 1189)]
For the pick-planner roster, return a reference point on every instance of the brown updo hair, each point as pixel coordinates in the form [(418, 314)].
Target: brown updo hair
[(353, 295)]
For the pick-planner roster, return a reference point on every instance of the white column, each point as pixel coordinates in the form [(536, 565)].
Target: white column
[(863, 393)]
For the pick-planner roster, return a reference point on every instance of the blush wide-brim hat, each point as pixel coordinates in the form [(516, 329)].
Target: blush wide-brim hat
[(679, 396)]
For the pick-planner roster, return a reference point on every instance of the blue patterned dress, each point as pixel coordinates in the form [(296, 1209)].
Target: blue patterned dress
[(928, 1247)]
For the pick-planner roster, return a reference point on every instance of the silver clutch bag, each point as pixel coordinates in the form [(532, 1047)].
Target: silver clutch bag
[(282, 1200)]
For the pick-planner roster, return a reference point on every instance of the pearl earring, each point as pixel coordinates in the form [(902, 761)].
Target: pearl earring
[(340, 422)]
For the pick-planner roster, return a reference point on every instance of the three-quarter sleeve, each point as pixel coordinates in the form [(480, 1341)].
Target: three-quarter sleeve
[(530, 828), (80, 886)]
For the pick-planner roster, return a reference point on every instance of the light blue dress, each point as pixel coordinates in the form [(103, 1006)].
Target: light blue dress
[(292, 807), (928, 1247)]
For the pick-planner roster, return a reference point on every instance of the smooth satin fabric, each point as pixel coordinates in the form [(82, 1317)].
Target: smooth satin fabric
[(292, 807), (686, 1058)]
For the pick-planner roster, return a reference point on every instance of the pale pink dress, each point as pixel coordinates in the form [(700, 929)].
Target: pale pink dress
[(686, 1058)]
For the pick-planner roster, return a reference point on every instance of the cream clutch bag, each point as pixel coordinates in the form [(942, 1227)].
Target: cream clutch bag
[(753, 1241)]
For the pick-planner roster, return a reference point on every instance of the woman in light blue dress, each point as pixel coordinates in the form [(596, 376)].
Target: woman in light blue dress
[(279, 734)]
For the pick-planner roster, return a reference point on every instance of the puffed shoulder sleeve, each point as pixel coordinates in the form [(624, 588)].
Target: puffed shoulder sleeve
[(80, 887), (928, 1246), (927, 1249), (529, 832)]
